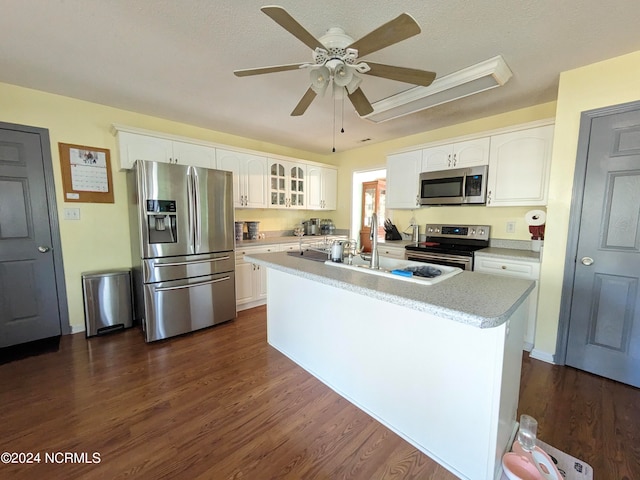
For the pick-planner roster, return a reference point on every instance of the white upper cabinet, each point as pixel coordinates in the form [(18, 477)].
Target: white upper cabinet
[(249, 177), (519, 167), (140, 147), (322, 188), (287, 184), (134, 147), (194, 154), (403, 171), (470, 153)]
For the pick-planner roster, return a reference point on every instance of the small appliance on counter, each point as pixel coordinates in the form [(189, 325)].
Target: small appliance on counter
[(312, 226)]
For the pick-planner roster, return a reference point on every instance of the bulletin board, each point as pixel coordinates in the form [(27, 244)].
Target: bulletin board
[(86, 174)]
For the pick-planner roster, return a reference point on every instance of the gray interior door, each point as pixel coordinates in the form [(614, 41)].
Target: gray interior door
[(29, 307), (604, 326)]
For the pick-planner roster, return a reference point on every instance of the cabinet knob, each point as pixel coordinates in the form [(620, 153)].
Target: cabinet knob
[(503, 267)]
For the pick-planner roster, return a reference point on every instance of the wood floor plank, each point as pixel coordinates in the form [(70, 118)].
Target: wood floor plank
[(222, 404)]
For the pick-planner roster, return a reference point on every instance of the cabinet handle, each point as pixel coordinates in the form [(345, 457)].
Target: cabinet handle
[(449, 160), (489, 197), (455, 159)]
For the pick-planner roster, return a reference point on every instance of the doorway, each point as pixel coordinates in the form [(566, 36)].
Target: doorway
[(600, 309), (360, 177), (33, 304)]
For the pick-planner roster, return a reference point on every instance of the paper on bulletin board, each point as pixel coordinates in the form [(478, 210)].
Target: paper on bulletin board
[(88, 170)]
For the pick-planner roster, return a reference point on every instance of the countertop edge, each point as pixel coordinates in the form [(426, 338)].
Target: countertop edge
[(332, 278)]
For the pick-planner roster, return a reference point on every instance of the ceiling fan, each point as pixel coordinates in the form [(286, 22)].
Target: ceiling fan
[(336, 59)]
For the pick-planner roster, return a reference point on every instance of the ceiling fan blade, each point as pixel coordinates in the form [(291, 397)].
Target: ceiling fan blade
[(262, 70), (286, 21), (360, 102), (394, 31), (304, 103), (402, 74)]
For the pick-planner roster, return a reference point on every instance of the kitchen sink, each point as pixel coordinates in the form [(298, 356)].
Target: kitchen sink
[(387, 265)]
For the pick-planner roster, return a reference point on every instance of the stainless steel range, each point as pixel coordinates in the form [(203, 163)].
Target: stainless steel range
[(451, 245)]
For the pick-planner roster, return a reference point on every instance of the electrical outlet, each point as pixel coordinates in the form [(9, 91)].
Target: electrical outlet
[(72, 214), (511, 227)]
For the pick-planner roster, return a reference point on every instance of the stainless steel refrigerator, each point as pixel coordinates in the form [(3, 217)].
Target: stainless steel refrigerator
[(182, 239)]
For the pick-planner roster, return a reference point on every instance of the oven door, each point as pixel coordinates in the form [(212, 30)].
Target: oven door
[(460, 261)]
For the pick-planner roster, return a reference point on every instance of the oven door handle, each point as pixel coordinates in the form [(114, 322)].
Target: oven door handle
[(439, 257)]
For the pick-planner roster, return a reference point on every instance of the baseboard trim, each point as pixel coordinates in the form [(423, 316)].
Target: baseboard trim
[(541, 355), (77, 329)]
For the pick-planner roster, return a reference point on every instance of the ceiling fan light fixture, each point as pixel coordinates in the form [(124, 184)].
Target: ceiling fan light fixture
[(320, 79), (342, 75)]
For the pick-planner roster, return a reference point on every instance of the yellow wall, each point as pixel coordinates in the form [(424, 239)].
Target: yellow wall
[(100, 240), (375, 156), (611, 82)]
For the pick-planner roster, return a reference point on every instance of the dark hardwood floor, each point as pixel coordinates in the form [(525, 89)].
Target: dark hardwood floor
[(222, 404)]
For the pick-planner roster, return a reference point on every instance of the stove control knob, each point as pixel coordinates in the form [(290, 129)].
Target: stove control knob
[(482, 232), (437, 230), (430, 230), (473, 231)]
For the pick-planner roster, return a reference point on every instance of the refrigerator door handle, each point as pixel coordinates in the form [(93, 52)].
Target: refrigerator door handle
[(190, 262), (190, 285), (191, 208), (197, 227)]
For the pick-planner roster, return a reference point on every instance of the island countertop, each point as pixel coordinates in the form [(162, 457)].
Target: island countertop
[(473, 298)]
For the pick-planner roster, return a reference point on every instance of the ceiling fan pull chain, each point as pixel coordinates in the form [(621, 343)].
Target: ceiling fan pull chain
[(333, 149), (342, 115)]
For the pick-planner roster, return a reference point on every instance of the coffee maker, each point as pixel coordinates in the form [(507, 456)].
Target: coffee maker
[(312, 226)]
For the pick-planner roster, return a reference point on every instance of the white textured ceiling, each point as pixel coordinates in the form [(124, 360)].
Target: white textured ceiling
[(174, 59)]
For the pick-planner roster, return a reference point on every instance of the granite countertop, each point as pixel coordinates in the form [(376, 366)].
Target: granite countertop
[(285, 239), (509, 253), (477, 299)]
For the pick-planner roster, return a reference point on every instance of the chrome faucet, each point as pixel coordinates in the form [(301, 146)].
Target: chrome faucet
[(374, 262)]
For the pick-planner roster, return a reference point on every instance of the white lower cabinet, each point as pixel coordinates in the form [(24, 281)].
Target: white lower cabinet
[(393, 251), (527, 270), (251, 279)]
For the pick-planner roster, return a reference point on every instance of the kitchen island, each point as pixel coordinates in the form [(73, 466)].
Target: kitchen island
[(437, 364)]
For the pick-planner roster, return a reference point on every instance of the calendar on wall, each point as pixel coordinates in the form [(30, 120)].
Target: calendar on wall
[(86, 174)]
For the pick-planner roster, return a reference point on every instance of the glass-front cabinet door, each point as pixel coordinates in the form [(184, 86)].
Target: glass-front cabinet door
[(287, 184), (278, 185), (297, 183)]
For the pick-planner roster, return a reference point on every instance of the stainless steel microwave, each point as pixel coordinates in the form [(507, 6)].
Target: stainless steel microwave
[(459, 186)]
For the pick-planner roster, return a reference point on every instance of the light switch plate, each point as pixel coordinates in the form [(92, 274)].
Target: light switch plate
[(511, 227), (72, 214)]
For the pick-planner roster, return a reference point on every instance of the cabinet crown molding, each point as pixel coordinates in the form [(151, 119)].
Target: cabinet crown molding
[(116, 128), (475, 136)]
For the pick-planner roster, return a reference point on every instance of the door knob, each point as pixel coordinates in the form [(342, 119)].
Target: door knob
[(587, 261), (43, 249)]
